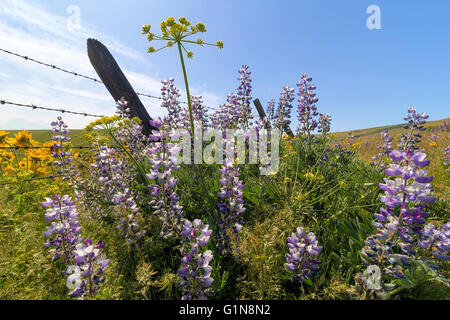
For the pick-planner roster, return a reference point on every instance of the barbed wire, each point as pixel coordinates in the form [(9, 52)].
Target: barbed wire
[(32, 106), (33, 179), (27, 58)]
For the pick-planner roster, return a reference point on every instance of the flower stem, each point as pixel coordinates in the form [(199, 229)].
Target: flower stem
[(191, 118)]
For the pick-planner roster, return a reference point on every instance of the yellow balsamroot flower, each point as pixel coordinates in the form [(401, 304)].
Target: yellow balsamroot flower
[(6, 156), (356, 144), (25, 164), (22, 139), (3, 137), (8, 170), (37, 155), (41, 171), (288, 145)]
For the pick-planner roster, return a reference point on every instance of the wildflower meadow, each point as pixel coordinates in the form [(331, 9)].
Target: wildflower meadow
[(223, 204)]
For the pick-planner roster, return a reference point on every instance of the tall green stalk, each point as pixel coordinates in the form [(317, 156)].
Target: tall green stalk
[(191, 117)]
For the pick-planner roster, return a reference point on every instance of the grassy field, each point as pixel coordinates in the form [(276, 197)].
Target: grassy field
[(368, 139)]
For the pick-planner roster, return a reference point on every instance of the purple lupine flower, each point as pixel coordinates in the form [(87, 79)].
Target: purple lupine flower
[(301, 261), (307, 110), (283, 112), (436, 240), (231, 205), (130, 135), (162, 158), (64, 229), (400, 224), (447, 157), (123, 108), (170, 95), (244, 96), (199, 113), (195, 271), (227, 116), (385, 148), (85, 265), (236, 112), (109, 182), (270, 109), (87, 272), (324, 123), (416, 123), (63, 159)]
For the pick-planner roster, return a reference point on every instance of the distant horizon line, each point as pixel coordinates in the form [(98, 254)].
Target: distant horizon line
[(359, 129)]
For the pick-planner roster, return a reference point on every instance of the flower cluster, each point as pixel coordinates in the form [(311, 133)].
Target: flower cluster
[(301, 260), (62, 212), (231, 206), (170, 95), (63, 158), (178, 117), (174, 32), (270, 109), (195, 271), (385, 148), (85, 276), (227, 116), (409, 139), (162, 158), (35, 161), (283, 112), (436, 240), (123, 109), (108, 184), (244, 94), (199, 114), (447, 156), (400, 223), (324, 123), (85, 265), (129, 134), (307, 110), (236, 112), (108, 175)]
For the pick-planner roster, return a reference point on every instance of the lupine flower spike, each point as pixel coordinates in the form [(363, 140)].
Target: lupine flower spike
[(301, 261), (195, 271)]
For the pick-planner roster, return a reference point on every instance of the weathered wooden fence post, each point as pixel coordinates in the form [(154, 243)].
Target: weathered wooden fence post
[(262, 115), (115, 81)]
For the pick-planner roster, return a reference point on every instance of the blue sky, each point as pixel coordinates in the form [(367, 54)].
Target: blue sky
[(364, 77)]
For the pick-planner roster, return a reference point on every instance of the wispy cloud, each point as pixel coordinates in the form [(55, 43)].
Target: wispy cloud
[(31, 30)]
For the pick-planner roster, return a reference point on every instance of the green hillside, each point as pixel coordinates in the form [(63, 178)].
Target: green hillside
[(393, 129)]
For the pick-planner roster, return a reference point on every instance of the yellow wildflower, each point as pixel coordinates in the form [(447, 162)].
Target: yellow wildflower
[(8, 170), (3, 135), (21, 139), (37, 155)]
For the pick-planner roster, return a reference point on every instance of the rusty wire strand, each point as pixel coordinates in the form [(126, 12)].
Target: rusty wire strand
[(80, 75)]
